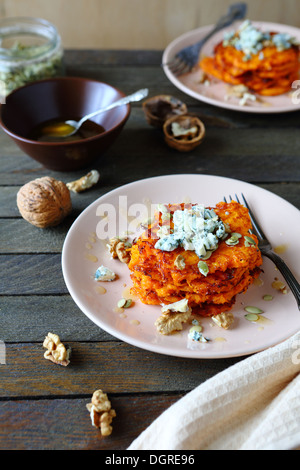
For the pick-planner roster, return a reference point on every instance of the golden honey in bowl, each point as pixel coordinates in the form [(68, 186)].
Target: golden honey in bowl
[(56, 130)]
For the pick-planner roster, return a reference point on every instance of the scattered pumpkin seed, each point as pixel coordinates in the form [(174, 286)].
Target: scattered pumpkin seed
[(121, 303), (251, 309), (124, 303), (232, 242), (203, 268), (268, 297), (207, 256), (234, 239), (249, 241), (179, 262), (252, 317), (128, 303)]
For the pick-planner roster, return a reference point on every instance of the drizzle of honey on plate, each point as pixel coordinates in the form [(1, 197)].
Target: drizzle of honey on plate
[(100, 290), (127, 294), (281, 249), (91, 257), (258, 318)]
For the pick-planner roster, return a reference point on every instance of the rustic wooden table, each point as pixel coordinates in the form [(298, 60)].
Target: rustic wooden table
[(43, 406)]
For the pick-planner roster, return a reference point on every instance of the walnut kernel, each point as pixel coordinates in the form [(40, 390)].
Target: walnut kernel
[(223, 320), (85, 182), (119, 248), (173, 316), (56, 352), (101, 412), (100, 401)]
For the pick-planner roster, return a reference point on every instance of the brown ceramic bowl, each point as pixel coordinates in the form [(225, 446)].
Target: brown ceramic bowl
[(63, 98)]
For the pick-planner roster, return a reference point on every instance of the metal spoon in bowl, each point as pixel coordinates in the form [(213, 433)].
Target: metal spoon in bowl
[(137, 96)]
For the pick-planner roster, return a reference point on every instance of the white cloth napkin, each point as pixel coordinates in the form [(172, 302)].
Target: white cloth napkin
[(252, 405)]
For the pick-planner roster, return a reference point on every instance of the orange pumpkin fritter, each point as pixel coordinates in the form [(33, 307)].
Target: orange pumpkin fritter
[(266, 63), (163, 277)]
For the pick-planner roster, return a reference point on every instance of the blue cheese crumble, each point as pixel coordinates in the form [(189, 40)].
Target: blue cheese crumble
[(197, 229), (104, 274), (251, 40), (181, 306), (195, 334)]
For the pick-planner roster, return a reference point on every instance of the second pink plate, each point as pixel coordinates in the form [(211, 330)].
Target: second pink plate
[(216, 92)]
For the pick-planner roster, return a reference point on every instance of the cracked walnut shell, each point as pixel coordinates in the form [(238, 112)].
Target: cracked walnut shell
[(184, 132), (44, 202), (162, 107)]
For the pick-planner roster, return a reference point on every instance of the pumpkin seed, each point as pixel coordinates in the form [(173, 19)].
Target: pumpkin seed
[(234, 239), (236, 235), (249, 241), (128, 303), (179, 262), (121, 303), (268, 297), (231, 242), (203, 268), (252, 317), (207, 256), (254, 310)]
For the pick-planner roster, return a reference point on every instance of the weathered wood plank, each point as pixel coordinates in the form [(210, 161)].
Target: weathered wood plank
[(251, 158), (64, 424), (30, 318), (116, 367), (18, 236), (31, 274), (250, 154)]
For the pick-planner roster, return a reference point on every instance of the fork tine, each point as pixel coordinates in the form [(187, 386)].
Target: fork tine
[(177, 66), (256, 228), (255, 224), (185, 69), (189, 55), (266, 250)]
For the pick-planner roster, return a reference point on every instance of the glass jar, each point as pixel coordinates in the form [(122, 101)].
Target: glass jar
[(30, 49)]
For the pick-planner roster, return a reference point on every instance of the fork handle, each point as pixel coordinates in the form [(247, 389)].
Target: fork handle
[(287, 274), (235, 12)]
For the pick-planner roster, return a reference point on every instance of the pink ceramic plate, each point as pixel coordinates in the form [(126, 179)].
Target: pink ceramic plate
[(83, 252), (216, 92)]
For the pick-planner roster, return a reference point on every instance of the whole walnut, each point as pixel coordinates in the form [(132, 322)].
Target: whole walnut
[(44, 202)]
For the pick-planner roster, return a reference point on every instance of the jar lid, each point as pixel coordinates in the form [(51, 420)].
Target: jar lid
[(27, 39)]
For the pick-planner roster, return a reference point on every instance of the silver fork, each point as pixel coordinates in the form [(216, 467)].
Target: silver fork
[(187, 58), (266, 249)]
